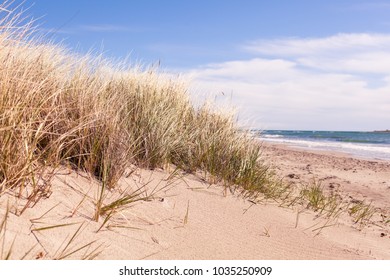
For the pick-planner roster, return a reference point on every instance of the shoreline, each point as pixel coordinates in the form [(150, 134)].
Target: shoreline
[(367, 179), (320, 151), (353, 153), (364, 145)]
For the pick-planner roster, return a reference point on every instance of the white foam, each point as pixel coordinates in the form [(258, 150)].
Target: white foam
[(372, 151), (272, 136)]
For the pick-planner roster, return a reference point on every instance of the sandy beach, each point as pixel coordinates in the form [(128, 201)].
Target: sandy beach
[(110, 156), (186, 218), (362, 179)]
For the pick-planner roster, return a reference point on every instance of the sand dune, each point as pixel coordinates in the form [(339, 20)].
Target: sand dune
[(187, 218)]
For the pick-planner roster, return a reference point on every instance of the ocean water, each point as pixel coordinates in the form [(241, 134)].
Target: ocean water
[(367, 145)]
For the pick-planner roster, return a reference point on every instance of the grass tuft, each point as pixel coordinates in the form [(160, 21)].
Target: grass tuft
[(361, 212), (329, 204)]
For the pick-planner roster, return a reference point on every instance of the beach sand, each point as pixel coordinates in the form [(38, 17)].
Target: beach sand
[(187, 218)]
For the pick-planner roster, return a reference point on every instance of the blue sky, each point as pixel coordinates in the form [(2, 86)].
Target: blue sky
[(318, 65)]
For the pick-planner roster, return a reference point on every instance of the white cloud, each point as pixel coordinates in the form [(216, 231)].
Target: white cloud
[(359, 62), (342, 43), (340, 82), (360, 52), (250, 71)]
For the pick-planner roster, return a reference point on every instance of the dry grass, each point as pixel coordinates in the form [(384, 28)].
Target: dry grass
[(60, 108), (57, 107)]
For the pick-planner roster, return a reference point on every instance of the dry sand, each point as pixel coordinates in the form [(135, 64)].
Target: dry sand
[(190, 219)]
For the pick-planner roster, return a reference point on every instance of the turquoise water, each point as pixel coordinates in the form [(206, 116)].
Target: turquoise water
[(369, 145)]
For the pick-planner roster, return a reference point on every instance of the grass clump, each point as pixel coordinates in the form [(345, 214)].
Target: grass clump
[(316, 199), (57, 107), (361, 212)]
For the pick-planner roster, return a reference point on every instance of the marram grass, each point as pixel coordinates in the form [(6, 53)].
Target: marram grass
[(58, 107)]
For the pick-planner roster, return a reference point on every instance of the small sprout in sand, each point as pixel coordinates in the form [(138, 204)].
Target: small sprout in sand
[(362, 212), (316, 198)]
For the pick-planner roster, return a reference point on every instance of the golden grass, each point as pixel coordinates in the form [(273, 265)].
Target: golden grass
[(58, 107)]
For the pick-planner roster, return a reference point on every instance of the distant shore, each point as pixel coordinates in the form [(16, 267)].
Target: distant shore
[(365, 145)]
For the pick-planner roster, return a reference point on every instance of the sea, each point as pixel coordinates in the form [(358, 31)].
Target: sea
[(360, 144)]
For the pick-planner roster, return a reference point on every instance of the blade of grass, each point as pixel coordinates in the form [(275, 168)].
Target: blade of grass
[(53, 227)]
